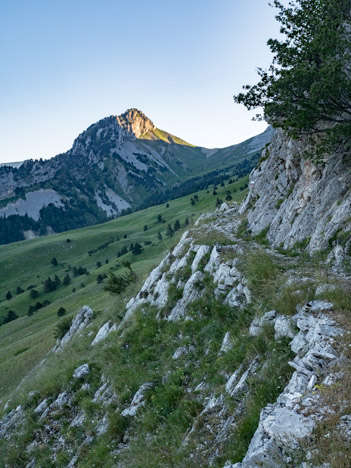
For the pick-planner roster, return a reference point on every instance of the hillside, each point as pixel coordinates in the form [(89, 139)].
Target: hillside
[(116, 166), (25, 266), (234, 351)]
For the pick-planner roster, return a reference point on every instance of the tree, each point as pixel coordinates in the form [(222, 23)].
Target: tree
[(192, 201), (307, 88), (33, 294), (159, 236), (11, 315), (49, 285), (19, 290), (169, 231), (137, 249), (57, 280), (98, 264), (159, 218), (99, 278), (177, 225), (8, 295), (186, 221), (66, 280), (54, 262), (145, 227), (219, 202), (62, 311)]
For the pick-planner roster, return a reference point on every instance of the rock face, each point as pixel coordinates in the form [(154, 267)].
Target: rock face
[(289, 421), (80, 321), (297, 200), (135, 122)]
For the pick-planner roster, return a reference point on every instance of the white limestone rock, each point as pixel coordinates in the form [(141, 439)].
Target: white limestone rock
[(283, 327), (297, 199), (104, 395), (284, 424), (80, 321), (81, 371), (10, 421), (42, 406), (226, 344), (259, 322), (102, 426), (103, 332), (138, 401), (193, 290), (203, 250), (183, 351), (79, 420)]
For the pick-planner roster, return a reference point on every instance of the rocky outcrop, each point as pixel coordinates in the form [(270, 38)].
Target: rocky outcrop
[(291, 420), (80, 321), (135, 122), (298, 200)]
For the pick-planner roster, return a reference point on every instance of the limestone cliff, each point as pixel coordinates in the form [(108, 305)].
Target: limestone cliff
[(298, 200)]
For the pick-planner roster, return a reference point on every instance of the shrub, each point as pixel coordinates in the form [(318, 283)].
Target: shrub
[(62, 328)]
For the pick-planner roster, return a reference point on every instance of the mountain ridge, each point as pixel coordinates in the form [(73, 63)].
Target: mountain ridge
[(118, 164)]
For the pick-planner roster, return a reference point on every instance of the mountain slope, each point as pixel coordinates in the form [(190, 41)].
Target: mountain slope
[(232, 353), (118, 164)]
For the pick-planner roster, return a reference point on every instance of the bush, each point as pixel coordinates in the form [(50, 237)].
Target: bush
[(61, 311), (33, 294), (62, 328)]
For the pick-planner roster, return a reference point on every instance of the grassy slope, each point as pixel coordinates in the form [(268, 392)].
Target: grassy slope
[(25, 341)]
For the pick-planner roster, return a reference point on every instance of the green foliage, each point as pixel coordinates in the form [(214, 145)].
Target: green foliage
[(62, 311), (62, 328), (33, 294), (11, 315), (261, 238), (169, 232), (307, 88), (261, 270), (118, 284)]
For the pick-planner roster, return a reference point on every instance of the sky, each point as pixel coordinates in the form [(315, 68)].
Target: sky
[(65, 64)]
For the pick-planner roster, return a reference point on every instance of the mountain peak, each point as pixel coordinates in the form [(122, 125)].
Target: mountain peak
[(136, 122)]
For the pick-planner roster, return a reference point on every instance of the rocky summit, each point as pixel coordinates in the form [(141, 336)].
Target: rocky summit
[(233, 352), (117, 165)]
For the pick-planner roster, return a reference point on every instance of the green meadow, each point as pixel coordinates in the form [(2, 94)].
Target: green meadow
[(27, 264)]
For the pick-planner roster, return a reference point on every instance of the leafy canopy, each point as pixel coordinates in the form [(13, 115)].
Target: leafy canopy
[(307, 88)]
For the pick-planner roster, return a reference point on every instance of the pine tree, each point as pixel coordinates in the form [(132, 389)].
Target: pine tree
[(8, 295), (66, 280), (177, 225), (33, 294), (62, 311), (159, 236), (169, 231)]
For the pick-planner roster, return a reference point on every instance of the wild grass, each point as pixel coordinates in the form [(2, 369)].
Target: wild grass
[(28, 263)]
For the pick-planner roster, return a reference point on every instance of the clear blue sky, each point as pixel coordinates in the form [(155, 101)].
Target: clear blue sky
[(67, 63)]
